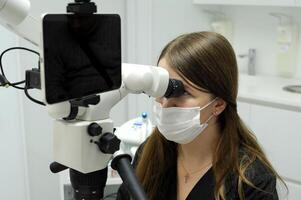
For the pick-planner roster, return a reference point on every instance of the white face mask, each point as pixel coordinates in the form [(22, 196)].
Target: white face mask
[(180, 125)]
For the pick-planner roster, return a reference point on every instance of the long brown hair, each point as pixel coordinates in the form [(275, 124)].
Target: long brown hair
[(207, 60)]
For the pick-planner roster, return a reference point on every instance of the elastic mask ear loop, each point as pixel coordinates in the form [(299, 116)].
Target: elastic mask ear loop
[(206, 122), (205, 106)]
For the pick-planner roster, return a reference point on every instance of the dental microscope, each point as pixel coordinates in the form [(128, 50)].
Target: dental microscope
[(81, 77)]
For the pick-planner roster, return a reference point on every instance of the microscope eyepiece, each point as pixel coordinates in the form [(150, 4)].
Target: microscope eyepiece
[(175, 88)]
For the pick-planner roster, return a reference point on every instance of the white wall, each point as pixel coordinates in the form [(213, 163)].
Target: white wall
[(13, 169), (172, 18), (255, 28)]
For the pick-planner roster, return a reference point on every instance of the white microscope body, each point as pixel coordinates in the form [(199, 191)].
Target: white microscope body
[(73, 146)]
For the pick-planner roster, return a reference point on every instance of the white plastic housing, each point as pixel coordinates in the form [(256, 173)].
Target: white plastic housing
[(150, 80), (134, 131), (14, 16), (102, 110), (14, 11), (73, 146)]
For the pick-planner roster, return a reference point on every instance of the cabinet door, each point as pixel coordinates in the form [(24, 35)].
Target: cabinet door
[(248, 2), (279, 133)]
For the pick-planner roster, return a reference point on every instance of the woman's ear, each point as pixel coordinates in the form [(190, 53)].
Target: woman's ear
[(219, 106)]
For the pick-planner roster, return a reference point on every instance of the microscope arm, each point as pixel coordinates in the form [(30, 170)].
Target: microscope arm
[(136, 79), (14, 16)]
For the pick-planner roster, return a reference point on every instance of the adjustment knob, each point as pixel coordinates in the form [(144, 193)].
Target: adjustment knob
[(94, 130), (108, 143)]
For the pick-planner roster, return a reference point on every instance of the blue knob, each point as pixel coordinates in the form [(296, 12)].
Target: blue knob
[(144, 115)]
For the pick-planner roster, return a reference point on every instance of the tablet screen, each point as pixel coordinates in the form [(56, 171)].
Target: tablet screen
[(82, 55)]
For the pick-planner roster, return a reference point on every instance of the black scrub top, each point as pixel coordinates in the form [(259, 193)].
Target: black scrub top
[(257, 173), (204, 188)]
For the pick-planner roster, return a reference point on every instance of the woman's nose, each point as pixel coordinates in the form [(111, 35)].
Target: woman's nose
[(166, 102)]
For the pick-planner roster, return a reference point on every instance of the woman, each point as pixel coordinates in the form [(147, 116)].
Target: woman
[(201, 149)]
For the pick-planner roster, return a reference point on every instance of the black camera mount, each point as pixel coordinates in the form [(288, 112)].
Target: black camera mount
[(82, 7)]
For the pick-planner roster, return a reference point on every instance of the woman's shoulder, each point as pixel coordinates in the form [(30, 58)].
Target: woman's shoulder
[(262, 179), (257, 169)]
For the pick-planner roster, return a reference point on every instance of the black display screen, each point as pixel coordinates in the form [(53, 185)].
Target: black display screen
[(82, 55)]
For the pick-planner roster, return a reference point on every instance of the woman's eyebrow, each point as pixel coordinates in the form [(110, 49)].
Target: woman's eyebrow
[(193, 89), (188, 87)]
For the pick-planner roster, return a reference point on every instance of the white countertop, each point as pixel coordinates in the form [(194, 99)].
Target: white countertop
[(268, 91)]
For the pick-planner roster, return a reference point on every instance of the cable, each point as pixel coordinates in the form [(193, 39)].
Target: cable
[(3, 81), (1, 66), (32, 99), (18, 83), (14, 85)]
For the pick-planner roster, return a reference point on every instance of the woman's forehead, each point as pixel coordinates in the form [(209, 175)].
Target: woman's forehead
[(174, 75)]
